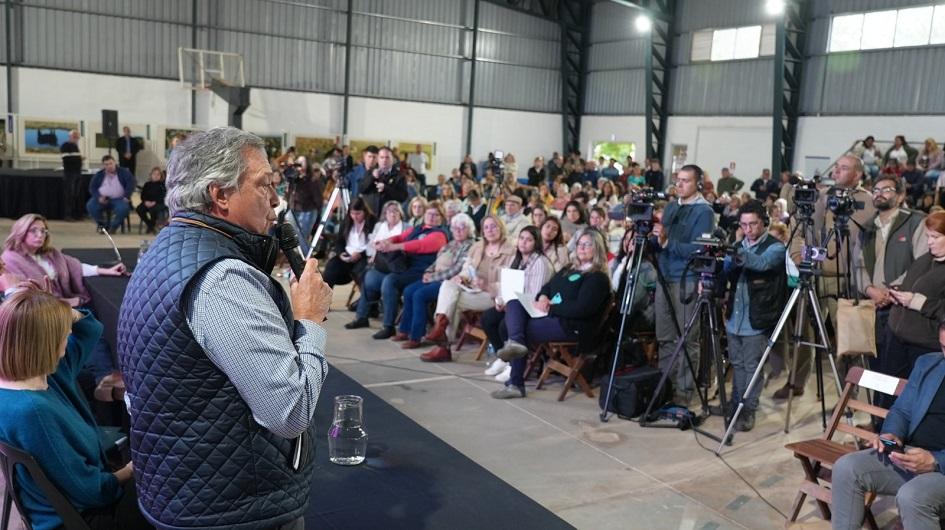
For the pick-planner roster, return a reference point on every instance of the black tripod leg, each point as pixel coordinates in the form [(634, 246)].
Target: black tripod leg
[(798, 342), (680, 347)]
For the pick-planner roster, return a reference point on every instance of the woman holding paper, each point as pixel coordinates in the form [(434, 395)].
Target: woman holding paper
[(473, 289), (571, 302), (534, 269)]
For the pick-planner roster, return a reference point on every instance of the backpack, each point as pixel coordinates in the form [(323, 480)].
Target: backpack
[(632, 392)]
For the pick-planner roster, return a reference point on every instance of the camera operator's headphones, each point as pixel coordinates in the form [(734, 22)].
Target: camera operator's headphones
[(757, 208), (698, 173)]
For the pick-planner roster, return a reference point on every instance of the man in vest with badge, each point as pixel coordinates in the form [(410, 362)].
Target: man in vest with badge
[(758, 292), (893, 239), (223, 368)]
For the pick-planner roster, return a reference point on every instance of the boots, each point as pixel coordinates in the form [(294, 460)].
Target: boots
[(440, 354), (438, 333)]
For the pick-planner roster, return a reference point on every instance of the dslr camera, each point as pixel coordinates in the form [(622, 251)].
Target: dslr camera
[(840, 201)]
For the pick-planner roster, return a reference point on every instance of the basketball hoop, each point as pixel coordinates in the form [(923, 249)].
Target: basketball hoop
[(197, 69)]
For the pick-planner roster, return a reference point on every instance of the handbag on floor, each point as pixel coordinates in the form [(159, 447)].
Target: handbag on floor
[(856, 327)]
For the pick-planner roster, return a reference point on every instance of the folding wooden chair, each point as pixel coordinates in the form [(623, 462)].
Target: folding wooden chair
[(564, 359), (471, 329), (817, 456)]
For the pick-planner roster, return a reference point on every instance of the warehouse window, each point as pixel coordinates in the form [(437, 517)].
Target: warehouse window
[(894, 28), (748, 42)]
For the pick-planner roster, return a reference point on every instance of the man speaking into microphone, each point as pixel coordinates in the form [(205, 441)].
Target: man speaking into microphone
[(222, 368)]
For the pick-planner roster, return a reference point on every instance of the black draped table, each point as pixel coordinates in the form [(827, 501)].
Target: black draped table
[(410, 480), (39, 191)]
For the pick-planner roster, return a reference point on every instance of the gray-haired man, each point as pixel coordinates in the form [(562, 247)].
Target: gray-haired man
[(222, 372)]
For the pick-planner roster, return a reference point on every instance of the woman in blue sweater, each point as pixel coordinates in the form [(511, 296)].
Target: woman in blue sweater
[(46, 415)]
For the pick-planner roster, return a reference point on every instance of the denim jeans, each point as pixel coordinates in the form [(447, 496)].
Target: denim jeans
[(531, 332), (306, 219), (744, 352), (386, 286), (119, 207), (417, 297)]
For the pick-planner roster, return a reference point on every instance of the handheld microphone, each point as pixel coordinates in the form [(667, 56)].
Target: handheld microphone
[(289, 244)]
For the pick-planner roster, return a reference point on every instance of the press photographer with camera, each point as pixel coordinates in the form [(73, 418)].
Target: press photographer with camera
[(684, 220), (757, 294), (851, 205)]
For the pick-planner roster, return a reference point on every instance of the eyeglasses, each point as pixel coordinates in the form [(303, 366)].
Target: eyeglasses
[(38, 231), (885, 189), (585, 244)]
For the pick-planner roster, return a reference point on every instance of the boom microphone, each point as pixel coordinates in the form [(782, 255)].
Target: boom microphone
[(289, 244)]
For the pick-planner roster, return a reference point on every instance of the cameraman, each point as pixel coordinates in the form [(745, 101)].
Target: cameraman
[(890, 243), (683, 221), (847, 175), (384, 184), (758, 291)]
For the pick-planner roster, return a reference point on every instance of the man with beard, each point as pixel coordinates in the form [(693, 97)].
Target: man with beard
[(890, 242)]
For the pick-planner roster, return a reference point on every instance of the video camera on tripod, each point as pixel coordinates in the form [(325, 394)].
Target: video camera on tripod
[(806, 196), (710, 259), (640, 208), (840, 201)]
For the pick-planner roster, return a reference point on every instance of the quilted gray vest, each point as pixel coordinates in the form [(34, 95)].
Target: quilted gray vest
[(201, 460)]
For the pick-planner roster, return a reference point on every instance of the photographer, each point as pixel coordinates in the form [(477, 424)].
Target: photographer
[(894, 239), (385, 183), (683, 221), (847, 176), (758, 291)]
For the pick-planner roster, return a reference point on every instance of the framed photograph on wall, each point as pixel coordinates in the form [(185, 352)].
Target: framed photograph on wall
[(314, 147), (273, 144), (359, 145), (405, 148), (43, 137)]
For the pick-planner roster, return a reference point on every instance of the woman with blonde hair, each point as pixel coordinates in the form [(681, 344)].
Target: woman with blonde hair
[(573, 300), (931, 162), (415, 209), (473, 289), (43, 345)]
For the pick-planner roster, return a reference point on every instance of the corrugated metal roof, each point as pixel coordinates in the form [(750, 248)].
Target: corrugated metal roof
[(406, 36), (387, 74), (443, 11), (844, 6), (698, 14), (730, 88), (495, 17), (518, 50), (616, 92), (610, 21)]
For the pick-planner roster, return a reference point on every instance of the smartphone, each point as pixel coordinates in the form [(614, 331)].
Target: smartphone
[(891, 446)]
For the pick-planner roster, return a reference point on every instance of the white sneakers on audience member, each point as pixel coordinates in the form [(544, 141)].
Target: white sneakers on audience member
[(496, 367), (505, 375)]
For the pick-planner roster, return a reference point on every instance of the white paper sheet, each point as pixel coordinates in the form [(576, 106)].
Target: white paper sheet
[(511, 281), (529, 306), (880, 382)]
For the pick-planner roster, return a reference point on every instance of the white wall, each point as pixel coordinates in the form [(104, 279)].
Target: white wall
[(596, 129), (714, 142), (53, 94), (831, 136)]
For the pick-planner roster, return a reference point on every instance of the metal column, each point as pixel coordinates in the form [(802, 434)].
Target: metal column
[(791, 39), (9, 29), (471, 104), (347, 95), (574, 18), (658, 65)]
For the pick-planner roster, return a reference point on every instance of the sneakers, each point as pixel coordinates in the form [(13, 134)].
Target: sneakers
[(782, 393), (508, 392), (746, 420), (512, 350), (438, 333), (357, 323), (497, 367), (504, 375), (385, 332), (440, 354)]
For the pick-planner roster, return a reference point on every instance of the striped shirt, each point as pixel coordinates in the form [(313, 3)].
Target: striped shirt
[(278, 372)]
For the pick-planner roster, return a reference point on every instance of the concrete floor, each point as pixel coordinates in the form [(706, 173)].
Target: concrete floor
[(591, 474)]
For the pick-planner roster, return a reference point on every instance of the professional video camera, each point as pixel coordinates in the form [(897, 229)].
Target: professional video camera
[(642, 201), (498, 165), (806, 195), (842, 204), (709, 259)]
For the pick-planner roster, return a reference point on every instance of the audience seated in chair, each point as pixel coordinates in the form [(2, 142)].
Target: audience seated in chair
[(473, 289), (28, 254), (406, 257), (111, 189), (45, 414), (421, 293), (538, 269), (573, 300), (152, 209), (913, 468), (350, 259)]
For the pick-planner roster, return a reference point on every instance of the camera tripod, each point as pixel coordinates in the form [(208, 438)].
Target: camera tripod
[(705, 308), (804, 298), (341, 190)]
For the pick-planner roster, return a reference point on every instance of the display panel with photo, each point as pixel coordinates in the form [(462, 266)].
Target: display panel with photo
[(45, 136)]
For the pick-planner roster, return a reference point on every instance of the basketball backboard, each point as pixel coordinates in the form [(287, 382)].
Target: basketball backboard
[(198, 68)]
